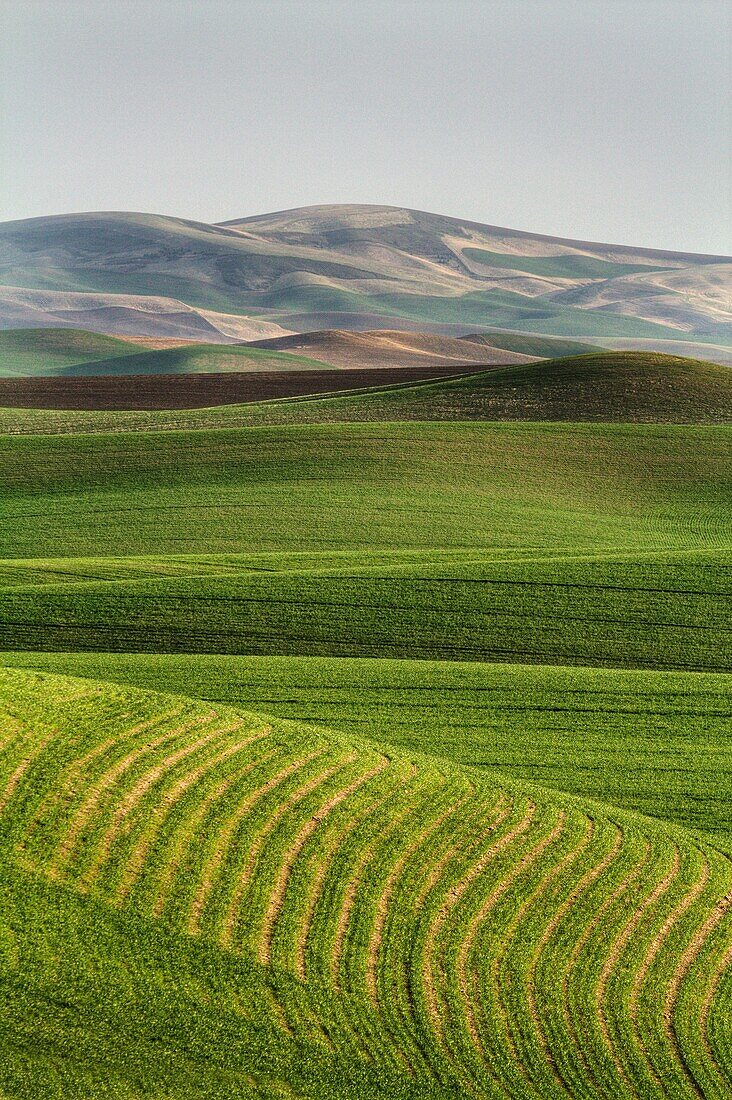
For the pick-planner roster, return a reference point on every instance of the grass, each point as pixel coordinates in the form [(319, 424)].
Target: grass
[(665, 612), (447, 817), (608, 387), (277, 906), (74, 352), (605, 386), (588, 545), (657, 743), (560, 266), (381, 488), (545, 347), (31, 351)]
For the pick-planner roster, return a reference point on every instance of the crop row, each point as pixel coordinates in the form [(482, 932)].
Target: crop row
[(491, 940)]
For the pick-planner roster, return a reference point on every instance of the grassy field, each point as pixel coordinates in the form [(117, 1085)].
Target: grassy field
[(657, 743), (607, 387), (31, 351), (434, 801), (545, 347), (278, 907), (75, 353), (582, 545)]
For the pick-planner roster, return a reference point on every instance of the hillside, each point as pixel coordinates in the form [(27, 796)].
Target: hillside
[(604, 386), (224, 395), (27, 352), (73, 353), (129, 315), (537, 347), (45, 352), (385, 348), (554, 544), (622, 387), (454, 826), (605, 734), (276, 906), (357, 267)]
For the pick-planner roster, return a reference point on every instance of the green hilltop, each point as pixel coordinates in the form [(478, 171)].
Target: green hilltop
[(609, 387), (604, 386)]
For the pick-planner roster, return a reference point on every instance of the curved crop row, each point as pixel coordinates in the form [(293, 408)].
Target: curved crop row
[(466, 938)]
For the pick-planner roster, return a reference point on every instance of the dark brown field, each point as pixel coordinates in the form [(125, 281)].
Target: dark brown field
[(197, 391)]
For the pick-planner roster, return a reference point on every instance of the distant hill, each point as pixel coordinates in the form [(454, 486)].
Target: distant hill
[(538, 347), (130, 315), (352, 267), (28, 353), (389, 348)]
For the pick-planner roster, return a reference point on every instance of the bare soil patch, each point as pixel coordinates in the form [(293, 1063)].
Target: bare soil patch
[(198, 391)]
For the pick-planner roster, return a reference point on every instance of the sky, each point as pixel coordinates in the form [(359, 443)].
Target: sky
[(603, 120)]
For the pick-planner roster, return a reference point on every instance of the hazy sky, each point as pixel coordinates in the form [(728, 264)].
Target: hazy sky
[(599, 119)]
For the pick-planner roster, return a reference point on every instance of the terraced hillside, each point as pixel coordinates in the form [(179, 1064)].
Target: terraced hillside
[(655, 742), (280, 907)]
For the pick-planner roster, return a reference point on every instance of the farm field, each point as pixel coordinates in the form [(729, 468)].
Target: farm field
[(658, 743), (189, 391), (395, 754), (605, 387), (332, 909)]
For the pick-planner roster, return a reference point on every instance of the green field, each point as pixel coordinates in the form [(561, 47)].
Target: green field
[(545, 347), (360, 759), (217, 904), (658, 743), (39, 351), (47, 352)]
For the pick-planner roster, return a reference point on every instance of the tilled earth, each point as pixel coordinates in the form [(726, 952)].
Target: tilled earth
[(195, 391)]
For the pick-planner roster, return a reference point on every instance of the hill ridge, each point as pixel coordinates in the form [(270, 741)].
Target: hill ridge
[(307, 268)]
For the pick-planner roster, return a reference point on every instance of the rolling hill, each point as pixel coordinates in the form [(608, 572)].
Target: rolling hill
[(74, 353), (45, 352), (279, 906), (375, 742), (393, 348), (447, 815), (604, 386), (538, 347), (351, 267), (587, 545), (621, 387), (127, 315)]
